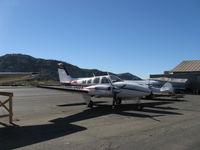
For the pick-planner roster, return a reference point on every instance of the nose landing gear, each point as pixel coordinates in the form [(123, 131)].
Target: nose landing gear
[(116, 102)]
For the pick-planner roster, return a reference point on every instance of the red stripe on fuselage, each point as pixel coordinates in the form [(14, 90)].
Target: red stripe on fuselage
[(84, 85), (89, 88), (74, 82), (78, 85), (135, 90)]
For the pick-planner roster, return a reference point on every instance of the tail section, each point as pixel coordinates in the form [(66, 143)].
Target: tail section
[(167, 88), (63, 74)]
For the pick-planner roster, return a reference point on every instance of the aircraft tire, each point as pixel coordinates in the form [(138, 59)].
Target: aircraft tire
[(139, 107), (90, 104), (118, 101)]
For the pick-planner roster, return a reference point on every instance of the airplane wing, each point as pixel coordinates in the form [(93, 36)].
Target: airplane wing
[(81, 91), (84, 93), (173, 80)]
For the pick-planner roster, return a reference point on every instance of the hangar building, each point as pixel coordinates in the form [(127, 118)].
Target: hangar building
[(185, 70)]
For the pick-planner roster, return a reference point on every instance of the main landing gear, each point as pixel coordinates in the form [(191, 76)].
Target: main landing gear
[(88, 100), (139, 105), (90, 104), (116, 102)]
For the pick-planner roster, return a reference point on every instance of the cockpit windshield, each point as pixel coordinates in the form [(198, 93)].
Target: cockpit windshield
[(115, 78)]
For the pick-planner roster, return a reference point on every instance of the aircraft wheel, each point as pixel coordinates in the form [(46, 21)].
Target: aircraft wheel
[(118, 101), (90, 104), (139, 107)]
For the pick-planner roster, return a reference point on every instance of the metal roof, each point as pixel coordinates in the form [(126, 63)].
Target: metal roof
[(188, 66)]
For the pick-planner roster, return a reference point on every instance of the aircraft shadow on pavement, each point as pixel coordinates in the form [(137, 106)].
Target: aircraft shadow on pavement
[(77, 104), (124, 110), (16, 136), (167, 99)]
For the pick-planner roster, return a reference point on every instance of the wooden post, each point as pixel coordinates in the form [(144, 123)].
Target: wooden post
[(10, 103), (10, 109)]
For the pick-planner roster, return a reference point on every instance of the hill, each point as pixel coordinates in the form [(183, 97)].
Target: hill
[(47, 69)]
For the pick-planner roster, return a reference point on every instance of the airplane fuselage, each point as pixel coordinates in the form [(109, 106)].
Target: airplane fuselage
[(99, 86), (130, 92), (105, 86)]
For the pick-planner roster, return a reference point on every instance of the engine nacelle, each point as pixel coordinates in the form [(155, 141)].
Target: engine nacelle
[(100, 90)]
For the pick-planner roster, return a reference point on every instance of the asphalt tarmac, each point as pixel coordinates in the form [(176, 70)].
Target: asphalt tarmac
[(48, 120)]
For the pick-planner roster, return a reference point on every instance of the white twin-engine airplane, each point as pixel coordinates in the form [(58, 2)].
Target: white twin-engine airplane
[(108, 86)]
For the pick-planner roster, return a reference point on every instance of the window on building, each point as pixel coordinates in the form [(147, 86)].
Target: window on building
[(198, 78)]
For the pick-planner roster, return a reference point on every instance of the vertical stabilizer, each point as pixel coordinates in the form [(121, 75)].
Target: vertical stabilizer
[(63, 74)]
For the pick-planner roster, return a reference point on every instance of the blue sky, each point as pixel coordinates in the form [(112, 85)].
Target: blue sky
[(138, 36)]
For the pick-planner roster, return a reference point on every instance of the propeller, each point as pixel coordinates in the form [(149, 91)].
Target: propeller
[(115, 90), (149, 85)]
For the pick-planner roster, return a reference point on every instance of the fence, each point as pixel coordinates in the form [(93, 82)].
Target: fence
[(7, 104)]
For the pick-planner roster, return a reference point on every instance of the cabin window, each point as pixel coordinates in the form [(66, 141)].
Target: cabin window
[(89, 81), (84, 82), (96, 81), (115, 78), (104, 80)]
